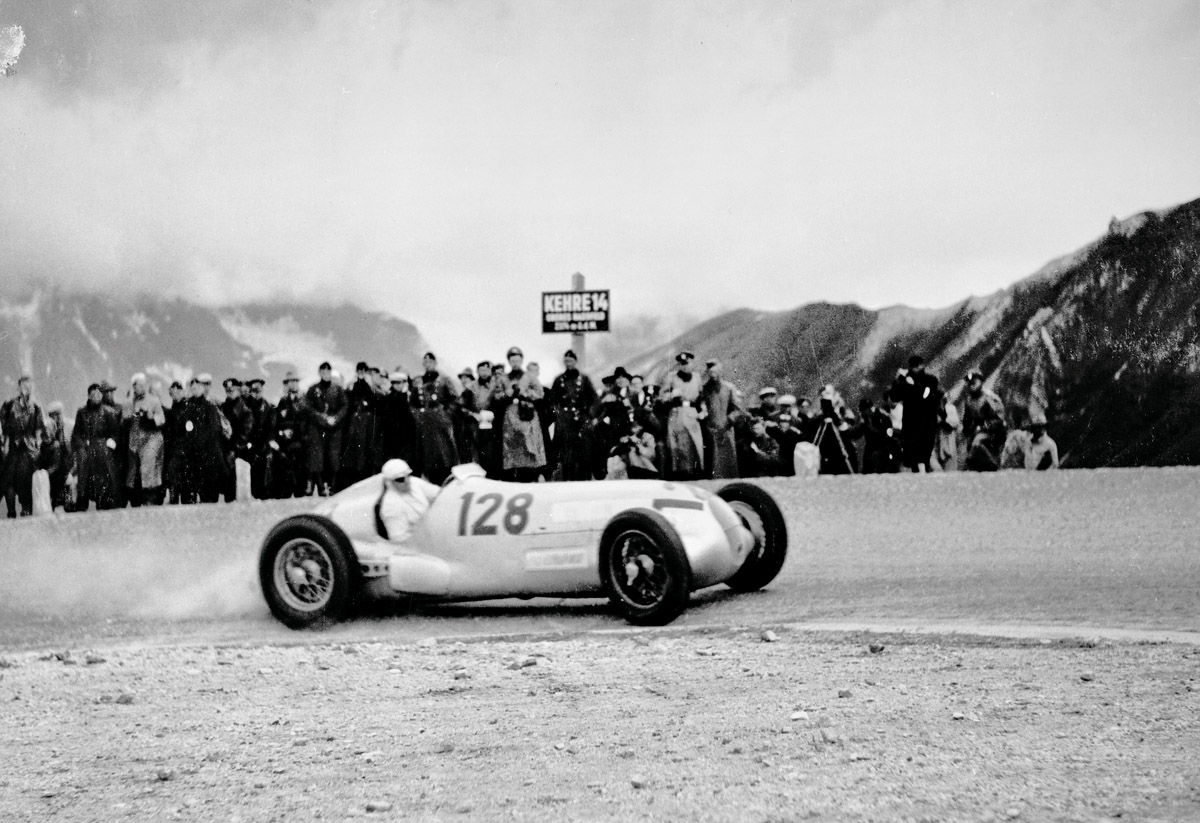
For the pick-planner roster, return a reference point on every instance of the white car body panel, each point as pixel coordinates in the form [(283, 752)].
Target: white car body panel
[(483, 539)]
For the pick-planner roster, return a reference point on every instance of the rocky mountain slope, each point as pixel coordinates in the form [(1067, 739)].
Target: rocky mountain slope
[(1103, 341), (68, 340)]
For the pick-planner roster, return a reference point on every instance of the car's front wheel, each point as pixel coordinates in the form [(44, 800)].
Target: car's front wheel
[(644, 567), (308, 572)]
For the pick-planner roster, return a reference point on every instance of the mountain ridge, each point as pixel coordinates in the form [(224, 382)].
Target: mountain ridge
[(67, 340), (1111, 325)]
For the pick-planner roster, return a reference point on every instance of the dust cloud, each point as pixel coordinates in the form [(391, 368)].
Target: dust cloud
[(173, 562)]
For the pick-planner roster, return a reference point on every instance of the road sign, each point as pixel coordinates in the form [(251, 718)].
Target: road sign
[(574, 311)]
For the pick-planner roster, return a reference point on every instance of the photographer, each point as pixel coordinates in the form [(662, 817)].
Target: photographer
[(837, 454)]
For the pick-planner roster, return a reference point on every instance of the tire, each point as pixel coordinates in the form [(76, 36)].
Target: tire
[(642, 543), (761, 515), (308, 572)]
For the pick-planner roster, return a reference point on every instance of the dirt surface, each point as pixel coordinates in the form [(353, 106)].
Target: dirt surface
[(141, 678), (655, 725)]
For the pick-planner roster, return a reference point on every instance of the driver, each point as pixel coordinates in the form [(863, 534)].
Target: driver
[(402, 502)]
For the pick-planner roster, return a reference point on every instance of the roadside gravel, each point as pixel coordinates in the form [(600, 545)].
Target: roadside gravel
[(762, 724)]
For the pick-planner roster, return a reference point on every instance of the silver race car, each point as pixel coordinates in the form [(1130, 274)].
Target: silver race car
[(644, 544)]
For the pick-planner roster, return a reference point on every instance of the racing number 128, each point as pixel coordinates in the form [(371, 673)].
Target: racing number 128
[(516, 513)]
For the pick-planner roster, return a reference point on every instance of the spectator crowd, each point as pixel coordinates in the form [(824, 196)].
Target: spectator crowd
[(189, 448)]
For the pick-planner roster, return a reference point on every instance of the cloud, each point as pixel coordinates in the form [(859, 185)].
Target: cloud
[(448, 161), (121, 46)]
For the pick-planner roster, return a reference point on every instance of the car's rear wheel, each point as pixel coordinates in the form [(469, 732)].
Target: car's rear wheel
[(644, 567), (308, 572), (760, 514)]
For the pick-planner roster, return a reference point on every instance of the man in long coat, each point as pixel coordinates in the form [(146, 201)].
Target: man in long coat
[(287, 430), (94, 444), (108, 398), (145, 421), (172, 434), (327, 407), (685, 441), (23, 428), (716, 397), (396, 416), (524, 447), (56, 457), (918, 391), (203, 469), (572, 396), (362, 416), (237, 444), (434, 402), (261, 410)]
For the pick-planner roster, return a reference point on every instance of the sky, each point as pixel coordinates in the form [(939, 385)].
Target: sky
[(448, 161)]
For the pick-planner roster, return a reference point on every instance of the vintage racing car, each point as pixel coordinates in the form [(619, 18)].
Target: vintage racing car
[(644, 544)]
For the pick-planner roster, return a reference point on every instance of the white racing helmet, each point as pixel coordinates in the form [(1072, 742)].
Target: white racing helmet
[(396, 469)]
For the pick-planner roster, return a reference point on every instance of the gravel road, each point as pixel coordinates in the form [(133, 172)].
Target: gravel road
[(654, 725), (140, 678)]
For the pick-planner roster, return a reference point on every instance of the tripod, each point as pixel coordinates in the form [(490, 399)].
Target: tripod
[(827, 427)]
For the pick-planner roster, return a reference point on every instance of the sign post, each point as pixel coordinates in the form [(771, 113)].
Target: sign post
[(578, 340), (577, 311)]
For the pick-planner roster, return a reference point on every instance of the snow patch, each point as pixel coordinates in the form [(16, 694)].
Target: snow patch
[(137, 322), (283, 341), (1051, 349)]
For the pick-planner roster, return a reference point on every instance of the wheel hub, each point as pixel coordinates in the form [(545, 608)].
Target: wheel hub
[(304, 574), (638, 565)]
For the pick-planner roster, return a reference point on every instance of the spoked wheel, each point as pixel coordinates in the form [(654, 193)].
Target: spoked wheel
[(644, 567), (760, 514), (308, 571), (304, 575)]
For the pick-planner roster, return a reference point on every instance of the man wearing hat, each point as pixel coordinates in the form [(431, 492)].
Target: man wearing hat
[(466, 421), (94, 445), (983, 424), (56, 456), (202, 466), (361, 452), (399, 428), (261, 410), (921, 397), (767, 409), (435, 404), (144, 421), (1043, 451), (287, 427), (612, 420), (716, 395), (108, 398), (237, 447), (327, 406), (522, 444), (22, 430), (572, 396), (172, 433), (483, 378), (685, 441)]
